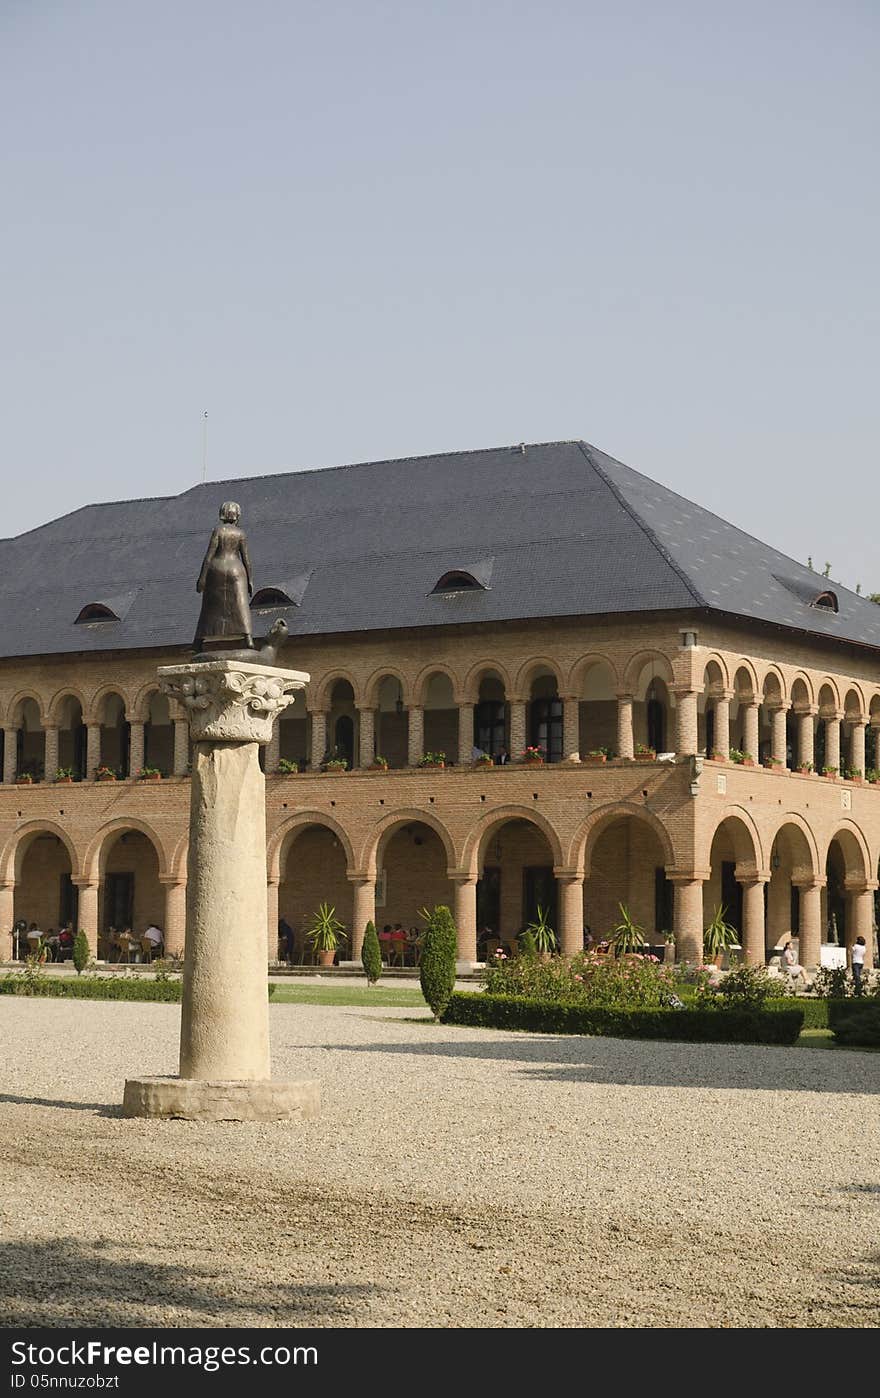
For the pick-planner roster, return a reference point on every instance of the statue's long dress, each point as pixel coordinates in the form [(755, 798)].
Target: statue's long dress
[(223, 583)]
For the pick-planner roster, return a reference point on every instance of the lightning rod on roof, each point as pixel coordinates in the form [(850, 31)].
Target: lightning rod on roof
[(204, 447)]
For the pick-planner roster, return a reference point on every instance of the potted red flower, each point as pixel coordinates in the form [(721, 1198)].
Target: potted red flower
[(104, 774), (533, 757)]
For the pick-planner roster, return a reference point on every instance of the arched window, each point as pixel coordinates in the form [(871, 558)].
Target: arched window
[(827, 602), (457, 581), (96, 611), (271, 597), (656, 725)]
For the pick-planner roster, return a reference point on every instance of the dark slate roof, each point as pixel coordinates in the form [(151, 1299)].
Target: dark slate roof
[(549, 530)]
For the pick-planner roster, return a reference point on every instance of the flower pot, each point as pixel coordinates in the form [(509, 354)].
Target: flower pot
[(377, 767), (533, 762), (595, 759), (747, 762), (432, 766), (63, 781), (105, 777), (646, 757), (326, 958), (335, 772), (23, 781), (152, 777)]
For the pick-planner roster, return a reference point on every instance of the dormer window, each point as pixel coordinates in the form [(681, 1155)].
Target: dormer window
[(271, 597), (96, 611), (827, 602), (457, 581)]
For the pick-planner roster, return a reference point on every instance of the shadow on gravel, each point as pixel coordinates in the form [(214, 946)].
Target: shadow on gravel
[(99, 1108), (572, 1059), (36, 1278)]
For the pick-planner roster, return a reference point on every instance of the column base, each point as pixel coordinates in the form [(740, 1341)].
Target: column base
[(190, 1099)]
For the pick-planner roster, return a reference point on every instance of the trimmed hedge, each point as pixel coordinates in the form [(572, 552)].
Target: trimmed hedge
[(97, 988), (841, 1010), (698, 1026), (815, 1011)]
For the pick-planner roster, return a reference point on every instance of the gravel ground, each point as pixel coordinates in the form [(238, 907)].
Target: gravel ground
[(456, 1177)]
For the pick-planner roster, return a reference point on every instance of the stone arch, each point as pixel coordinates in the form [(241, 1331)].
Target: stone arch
[(56, 703), (14, 706), (637, 664), (829, 697), (802, 693), (470, 689), (479, 833), (854, 706), (530, 669), (140, 709), (371, 688), (773, 687), (746, 839), (179, 859), (808, 843), (580, 669), (584, 840), (17, 844), (745, 682), (279, 842), (855, 850), (95, 712), (420, 683), (323, 690), (384, 828), (100, 843), (716, 675)]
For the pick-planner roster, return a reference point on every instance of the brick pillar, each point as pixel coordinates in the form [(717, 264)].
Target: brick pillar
[(273, 749), (93, 749), (571, 911), (750, 730), (722, 725), (10, 754), (686, 741), (625, 741), (363, 911), (806, 738), (810, 938), (367, 735), (50, 761), (688, 920), (857, 746), (181, 746), (465, 915), (571, 728), (416, 735), (272, 883), (517, 728), (7, 918), (88, 911), (465, 734), (319, 738), (860, 922), (753, 921), (877, 749), (778, 736), (136, 750), (174, 926), (832, 741)]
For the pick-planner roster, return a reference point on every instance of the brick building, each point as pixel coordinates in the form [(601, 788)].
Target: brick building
[(540, 594)]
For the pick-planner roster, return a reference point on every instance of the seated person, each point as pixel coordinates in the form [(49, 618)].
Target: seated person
[(34, 937), (155, 936), (65, 942), (789, 963)]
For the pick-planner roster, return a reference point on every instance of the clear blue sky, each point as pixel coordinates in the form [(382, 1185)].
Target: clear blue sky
[(358, 230)]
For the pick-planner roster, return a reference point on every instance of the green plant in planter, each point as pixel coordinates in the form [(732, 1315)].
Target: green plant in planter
[(288, 768), (872, 775), (65, 774), (737, 756), (433, 759), (805, 767), (326, 932), (541, 932), (380, 761), (149, 774), (336, 764), (829, 771), (25, 779), (627, 937), (528, 947), (718, 935)]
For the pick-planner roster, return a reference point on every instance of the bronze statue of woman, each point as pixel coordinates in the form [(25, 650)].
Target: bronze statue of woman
[(225, 584)]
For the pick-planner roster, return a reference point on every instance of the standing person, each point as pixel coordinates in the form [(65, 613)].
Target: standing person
[(502, 757), (285, 937), (858, 962)]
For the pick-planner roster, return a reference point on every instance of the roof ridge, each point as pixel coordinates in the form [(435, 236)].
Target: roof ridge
[(645, 528)]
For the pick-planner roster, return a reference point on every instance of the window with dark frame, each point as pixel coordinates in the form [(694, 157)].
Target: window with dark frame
[(547, 727)]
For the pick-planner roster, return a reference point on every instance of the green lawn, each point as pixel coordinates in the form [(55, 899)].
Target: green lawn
[(377, 995)]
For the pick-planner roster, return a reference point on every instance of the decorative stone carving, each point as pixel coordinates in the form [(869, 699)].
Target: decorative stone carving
[(230, 700)]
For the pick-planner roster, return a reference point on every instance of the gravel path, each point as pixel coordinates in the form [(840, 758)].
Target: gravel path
[(456, 1177)]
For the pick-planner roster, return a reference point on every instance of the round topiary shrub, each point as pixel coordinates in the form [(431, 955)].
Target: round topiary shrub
[(437, 966), (371, 955)]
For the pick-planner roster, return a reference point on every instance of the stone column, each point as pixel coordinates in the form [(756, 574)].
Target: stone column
[(571, 911), (367, 734), (50, 761), (224, 1031), (465, 734), (363, 911), (273, 751), (319, 738), (416, 735), (810, 937), (181, 747), (571, 728), (517, 728), (750, 730), (272, 883), (7, 918), (136, 748), (860, 922), (88, 911), (625, 740), (753, 921), (10, 755), (465, 915), (175, 914), (857, 746), (688, 919), (832, 741), (93, 749), (877, 749), (778, 734), (722, 725), (686, 740), (806, 737)]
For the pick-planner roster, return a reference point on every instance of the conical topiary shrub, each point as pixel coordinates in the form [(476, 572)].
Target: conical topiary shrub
[(437, 967), (80, 952), (371, 956)]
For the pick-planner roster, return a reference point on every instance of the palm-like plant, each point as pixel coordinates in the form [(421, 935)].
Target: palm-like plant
[(326, 931), (542, 933), (627, 936), (718, 935)]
